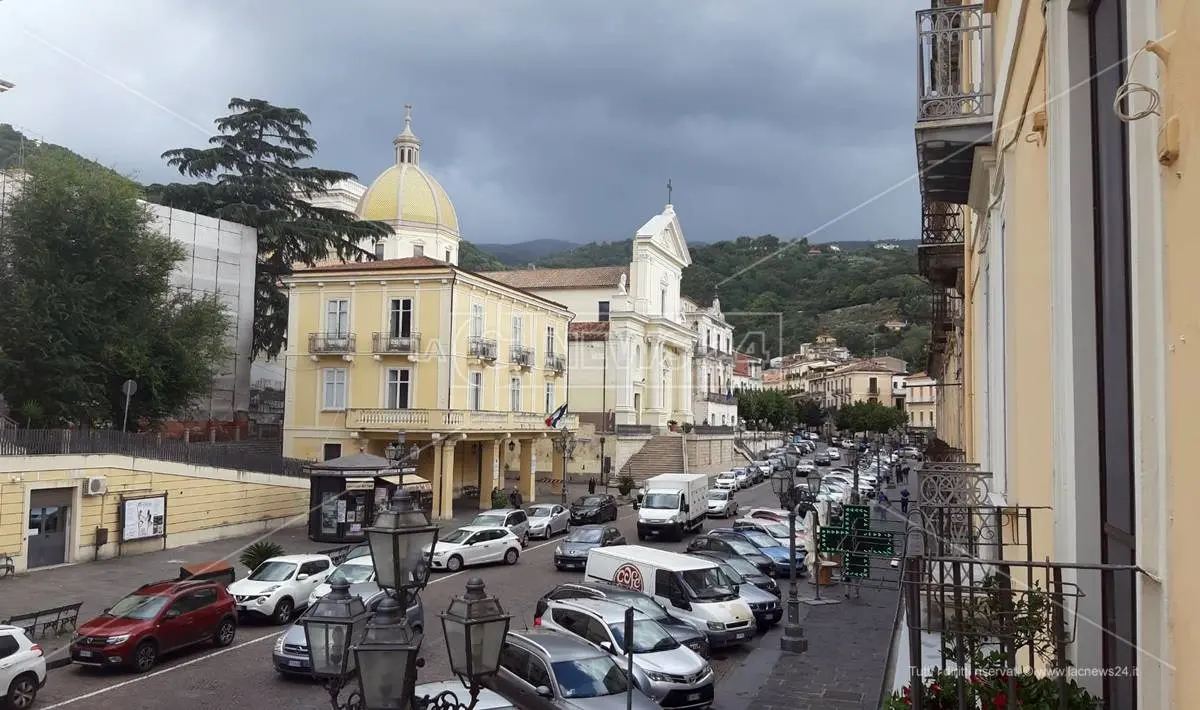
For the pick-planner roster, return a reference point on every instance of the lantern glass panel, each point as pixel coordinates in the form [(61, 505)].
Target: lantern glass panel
[(329, 647), (386, 676)]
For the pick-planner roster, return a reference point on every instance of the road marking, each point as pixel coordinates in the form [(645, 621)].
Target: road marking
[(235, 647)]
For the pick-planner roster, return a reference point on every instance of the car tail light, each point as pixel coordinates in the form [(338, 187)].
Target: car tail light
[(537, 621), (37, 649)]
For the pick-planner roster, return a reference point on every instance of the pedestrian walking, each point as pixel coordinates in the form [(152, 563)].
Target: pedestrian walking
[(514, 498), (591, 485), (904, 501), (881, 503)]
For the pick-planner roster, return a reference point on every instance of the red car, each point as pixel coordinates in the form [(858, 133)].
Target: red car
[(156, 619)]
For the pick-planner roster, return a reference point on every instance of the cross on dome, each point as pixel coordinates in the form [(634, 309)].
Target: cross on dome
[(408, 146)]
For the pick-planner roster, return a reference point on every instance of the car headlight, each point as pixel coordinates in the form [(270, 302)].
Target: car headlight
[(716, 626), (279, 644), (558, 550), (660, 677), (269, 590), (114, 640)]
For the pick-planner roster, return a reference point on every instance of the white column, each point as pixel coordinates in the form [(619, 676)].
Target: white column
[(655, 379), (686, 396)]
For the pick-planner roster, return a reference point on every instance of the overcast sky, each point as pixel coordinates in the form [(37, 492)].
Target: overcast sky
[(542, 118)]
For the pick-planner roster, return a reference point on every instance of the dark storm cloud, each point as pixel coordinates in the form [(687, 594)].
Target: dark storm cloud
[(541, 118)]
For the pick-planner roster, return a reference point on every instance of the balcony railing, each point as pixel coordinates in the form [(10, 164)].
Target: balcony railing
[(941, 223), (521, 356), (482, 348), (388, 344), (452, 420), (556, 363), (954, 43), (331, 343), (719, 398)]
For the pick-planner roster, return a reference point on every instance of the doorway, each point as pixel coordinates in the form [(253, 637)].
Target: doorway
[(48, 524), (637, 408)]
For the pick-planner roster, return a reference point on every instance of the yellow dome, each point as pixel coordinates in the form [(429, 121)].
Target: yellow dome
[(406, 193)]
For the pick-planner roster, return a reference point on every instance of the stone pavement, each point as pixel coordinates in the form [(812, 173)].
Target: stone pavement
[(849, 648)]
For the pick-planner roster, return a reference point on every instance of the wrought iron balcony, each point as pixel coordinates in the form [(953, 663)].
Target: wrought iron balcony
[(482, 348), (941, 322), (556, 363), (719, 398), (331, 343), (940, 254), (521, 356), (388, 344), (448, 420), (954, 96)]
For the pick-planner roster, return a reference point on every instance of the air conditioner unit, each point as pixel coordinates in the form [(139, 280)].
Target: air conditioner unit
[(95, 486)]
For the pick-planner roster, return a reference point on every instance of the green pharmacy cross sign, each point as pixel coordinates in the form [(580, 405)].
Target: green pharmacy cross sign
[(856, 541)]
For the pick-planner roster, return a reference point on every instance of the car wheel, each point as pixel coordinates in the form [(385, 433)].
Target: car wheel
[(510, 557), (225, 633), (525, 540), (283, 612), (22, 692), (145, 656), (454, 564)]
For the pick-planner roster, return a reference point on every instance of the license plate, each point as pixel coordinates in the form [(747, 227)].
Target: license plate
[(693, 697), (740, 636), (294, 664), (86, 654)]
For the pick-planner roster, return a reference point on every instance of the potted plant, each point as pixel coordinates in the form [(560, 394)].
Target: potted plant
[(687, 427), (671, 424), (624, 485)]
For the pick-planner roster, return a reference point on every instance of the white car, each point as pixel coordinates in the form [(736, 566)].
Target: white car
[(355, 571), (280, 587), (721, 503), (727, 481), (22, 668), (806, 466), (475, 545), (742, 476), (548, 519), (835, 455)]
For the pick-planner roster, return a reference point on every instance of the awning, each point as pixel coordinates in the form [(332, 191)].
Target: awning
[(411, 481)]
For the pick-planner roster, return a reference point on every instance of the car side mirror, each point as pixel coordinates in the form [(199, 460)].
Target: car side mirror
[(607, 646), (301, 577), (543, 691), (636, 505)]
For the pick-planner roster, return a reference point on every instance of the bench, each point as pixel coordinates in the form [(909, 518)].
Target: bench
[(7, 565), (39, 624)]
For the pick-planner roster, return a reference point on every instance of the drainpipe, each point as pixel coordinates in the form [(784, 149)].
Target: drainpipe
[(450, 346), (603, 404), (567, 401)]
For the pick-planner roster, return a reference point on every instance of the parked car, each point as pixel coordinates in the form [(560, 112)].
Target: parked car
[(354, 571), (572, 553), (763, 604), (780, 531), (486, 700), (747, 569), (734, 547), (776, 514), (280, 586), (821, 458), (743, 478), (683, 631), (515, 519), (22, 668), (834, 454), (547, 520), (727, 481), (595, 508), (671, 674), (721, 503), (157, 618), (290, 655), (766, 545), (568, 671), (474, 545)]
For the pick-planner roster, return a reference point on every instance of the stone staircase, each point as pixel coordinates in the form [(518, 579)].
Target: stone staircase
[(661, 454)]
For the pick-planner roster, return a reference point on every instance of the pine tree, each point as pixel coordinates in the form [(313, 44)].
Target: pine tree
[(254, 174)]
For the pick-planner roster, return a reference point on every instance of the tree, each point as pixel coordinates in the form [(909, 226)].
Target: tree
[(88, 303), (256, 178), (809, 412), (772, 406), (870, 417)]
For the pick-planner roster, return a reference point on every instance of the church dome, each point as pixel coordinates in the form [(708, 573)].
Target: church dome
[(406, 195)]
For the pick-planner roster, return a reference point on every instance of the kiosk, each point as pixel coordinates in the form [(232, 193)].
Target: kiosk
[(345, 493)]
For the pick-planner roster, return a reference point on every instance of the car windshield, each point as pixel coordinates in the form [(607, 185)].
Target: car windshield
[(490, 521), (647, 606), (585, 535), (541, 511), (273, 571), (779, 530), (138, 606), (590, 677), (727, 475), (359, 551), (718, 495), (648, 636), (707, 584), (741, 547), (741, 566), (353, 574), (661, 501), (457, 536), (759, 538), (589, 502), (730, 573)]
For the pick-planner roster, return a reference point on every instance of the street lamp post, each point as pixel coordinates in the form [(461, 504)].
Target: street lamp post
[(381, 650), (793, 635), (852, 453), (565, 445), (814, 491)]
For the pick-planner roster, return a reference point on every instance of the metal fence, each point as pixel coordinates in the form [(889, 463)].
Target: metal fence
[(40, 442)]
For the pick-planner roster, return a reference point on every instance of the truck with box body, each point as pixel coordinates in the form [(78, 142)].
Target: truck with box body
[(691, 588), (673, 505)]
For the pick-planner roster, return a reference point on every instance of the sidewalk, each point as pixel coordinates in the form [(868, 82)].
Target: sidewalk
[(849, 644)]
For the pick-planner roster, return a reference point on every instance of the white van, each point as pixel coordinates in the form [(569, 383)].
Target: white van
[(689, 587)]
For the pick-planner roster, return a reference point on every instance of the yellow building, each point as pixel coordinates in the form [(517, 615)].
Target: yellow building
[(921, 401), (455, 362), (1058, 237), (854, 382)]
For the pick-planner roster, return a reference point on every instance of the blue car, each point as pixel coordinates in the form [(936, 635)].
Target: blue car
[(767, 545)]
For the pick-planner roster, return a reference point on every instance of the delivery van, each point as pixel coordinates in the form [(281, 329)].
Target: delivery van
[(691, 588), (672, 505)]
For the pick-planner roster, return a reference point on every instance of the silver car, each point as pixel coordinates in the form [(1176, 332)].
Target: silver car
[(568, 671), (763, 604), (669, 672), (721, 503), (548, 519), (290, 656), (514, 519)]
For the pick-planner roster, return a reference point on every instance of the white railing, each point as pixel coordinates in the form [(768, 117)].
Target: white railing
[(440, 420)]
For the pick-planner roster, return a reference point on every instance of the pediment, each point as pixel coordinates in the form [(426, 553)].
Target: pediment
[(664, 234)]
